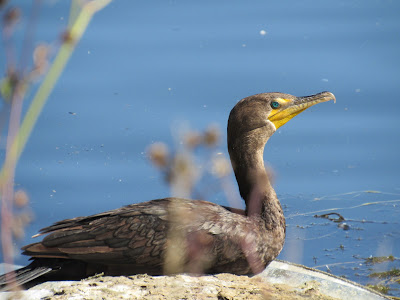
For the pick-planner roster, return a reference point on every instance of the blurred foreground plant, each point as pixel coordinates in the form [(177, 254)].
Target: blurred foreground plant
[(19, 75), (184, 174), (181, 170)]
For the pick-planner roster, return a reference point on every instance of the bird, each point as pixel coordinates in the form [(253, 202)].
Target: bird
[(175, 235)]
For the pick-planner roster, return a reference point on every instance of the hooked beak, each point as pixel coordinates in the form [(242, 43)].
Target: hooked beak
[(292, 107)]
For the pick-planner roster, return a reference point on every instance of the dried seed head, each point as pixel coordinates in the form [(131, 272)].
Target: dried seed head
[(182, 175), (19, 222), (192, 139), (7, 86), (40, 59), (67, 38), (40, 54), (21, 199), (11, 17), (211, 136), (17, 228), (26, 218), (159, 155), (221, 167), (13, 76), (182, 165), (3, 3)]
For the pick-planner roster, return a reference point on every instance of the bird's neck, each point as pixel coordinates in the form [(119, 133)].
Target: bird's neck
[(253, 180)]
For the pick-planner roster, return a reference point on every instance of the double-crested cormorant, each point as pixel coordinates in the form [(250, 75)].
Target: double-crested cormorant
[(206, 237)]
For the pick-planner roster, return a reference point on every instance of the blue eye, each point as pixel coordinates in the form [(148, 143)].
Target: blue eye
[(275, 104)]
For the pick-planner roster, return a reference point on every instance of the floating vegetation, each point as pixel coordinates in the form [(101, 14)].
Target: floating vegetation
[(378, 259), (337, 218), (387, 274), (389, 278), (328, 216)]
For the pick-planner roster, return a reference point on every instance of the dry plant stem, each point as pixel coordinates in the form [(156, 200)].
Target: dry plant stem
[(9, 49), (29, 35), (7, 186), (175, 254), (4, 112)]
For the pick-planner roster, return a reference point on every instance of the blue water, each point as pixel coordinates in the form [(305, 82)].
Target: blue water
[(145, 66)]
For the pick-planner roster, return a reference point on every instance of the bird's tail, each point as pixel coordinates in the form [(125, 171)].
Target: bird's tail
[(21, 276)]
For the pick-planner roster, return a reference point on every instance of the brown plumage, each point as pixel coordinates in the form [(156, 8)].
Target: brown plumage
[(178, 235)]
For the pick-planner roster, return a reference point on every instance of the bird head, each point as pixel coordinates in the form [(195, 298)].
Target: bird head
[(263, 114)]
